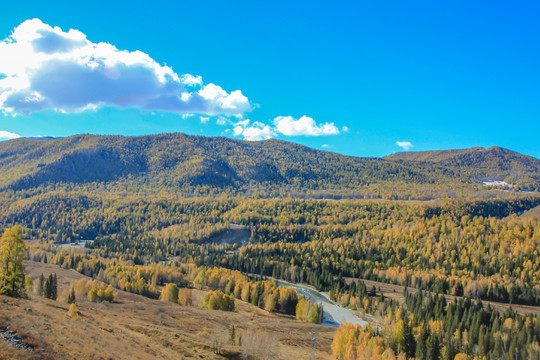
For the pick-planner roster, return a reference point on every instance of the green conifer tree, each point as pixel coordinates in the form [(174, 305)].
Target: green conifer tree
[(41, 286), (71, 297)]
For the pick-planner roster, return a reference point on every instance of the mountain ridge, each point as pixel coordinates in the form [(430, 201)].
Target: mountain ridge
[(178, 160)]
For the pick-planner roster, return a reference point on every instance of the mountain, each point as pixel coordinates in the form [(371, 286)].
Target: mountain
[(491, 164), (177, 161)]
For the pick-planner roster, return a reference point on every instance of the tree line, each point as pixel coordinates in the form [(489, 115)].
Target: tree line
[(427, 327)]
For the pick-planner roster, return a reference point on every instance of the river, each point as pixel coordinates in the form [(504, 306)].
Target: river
[(334, 315), (78, 244)]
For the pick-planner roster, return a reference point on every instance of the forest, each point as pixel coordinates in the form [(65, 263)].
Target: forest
[(170, 213), (185, 165), (424, 326), (479, 249), (427, 327)]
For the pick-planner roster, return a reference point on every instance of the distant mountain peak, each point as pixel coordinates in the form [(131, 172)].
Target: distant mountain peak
[(177, 160)]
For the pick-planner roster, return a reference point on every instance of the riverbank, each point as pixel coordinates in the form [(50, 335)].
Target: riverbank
[(334, 314)]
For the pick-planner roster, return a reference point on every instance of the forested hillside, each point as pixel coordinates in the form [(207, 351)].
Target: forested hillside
[(155, 207), (490, 164), (469, 250), (195, 165)]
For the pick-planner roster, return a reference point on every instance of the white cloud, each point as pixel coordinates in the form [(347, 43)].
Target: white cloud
[(255, 132), (42, 68), (222, 120), (285, 125), (327, 146), (243, 123), (405, 145), (6, 135), (204, 119), (238, 130), (190, 80), (305, 126)]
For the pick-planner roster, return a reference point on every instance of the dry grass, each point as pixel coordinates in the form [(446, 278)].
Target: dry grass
[(533, 213), (134, 327)]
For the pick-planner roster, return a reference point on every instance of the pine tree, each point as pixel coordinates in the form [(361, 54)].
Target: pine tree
[(421, 345), (433, 350), (41, 286), (232, 336), (51, 287), (482, 346), (409, 342), (12, 254), (450, 349), (54, 293), (48, 286), (71, 297)]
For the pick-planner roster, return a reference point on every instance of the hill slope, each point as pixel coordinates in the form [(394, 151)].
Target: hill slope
[(135, 327), (179, 161), (494, 157), (494, 163)]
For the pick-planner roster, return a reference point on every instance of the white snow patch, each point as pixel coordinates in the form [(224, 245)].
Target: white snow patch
[(497, 183)]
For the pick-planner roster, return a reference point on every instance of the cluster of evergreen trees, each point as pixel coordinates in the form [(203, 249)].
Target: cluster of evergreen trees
[(48, 288), (426, 327)]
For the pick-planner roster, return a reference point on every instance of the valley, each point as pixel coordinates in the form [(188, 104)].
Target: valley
[(256, 180), (222, 234)]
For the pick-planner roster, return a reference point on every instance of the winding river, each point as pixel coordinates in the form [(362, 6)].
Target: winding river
[(334, 315)]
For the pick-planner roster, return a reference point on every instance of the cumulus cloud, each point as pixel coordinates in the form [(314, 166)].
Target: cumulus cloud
[(43, 67), (284, 125), (305, 126), (405, 145), (255, 132), (190, 80), (327, 146), (6, 135)]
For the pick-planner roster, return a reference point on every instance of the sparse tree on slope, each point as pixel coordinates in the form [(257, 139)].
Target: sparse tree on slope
[(169, 293), (41, 286), (73, 311), (12, 254), (71, 297)]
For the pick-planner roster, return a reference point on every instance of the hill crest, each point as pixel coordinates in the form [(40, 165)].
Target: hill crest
[(177, 160)]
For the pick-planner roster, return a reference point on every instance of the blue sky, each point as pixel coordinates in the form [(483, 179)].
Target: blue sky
[(355, 77)]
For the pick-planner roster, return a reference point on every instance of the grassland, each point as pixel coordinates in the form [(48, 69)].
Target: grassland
[(135, 327)]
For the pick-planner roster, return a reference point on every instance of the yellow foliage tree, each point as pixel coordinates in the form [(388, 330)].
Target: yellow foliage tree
[(12, 254), (169, 293), (72, 312)]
